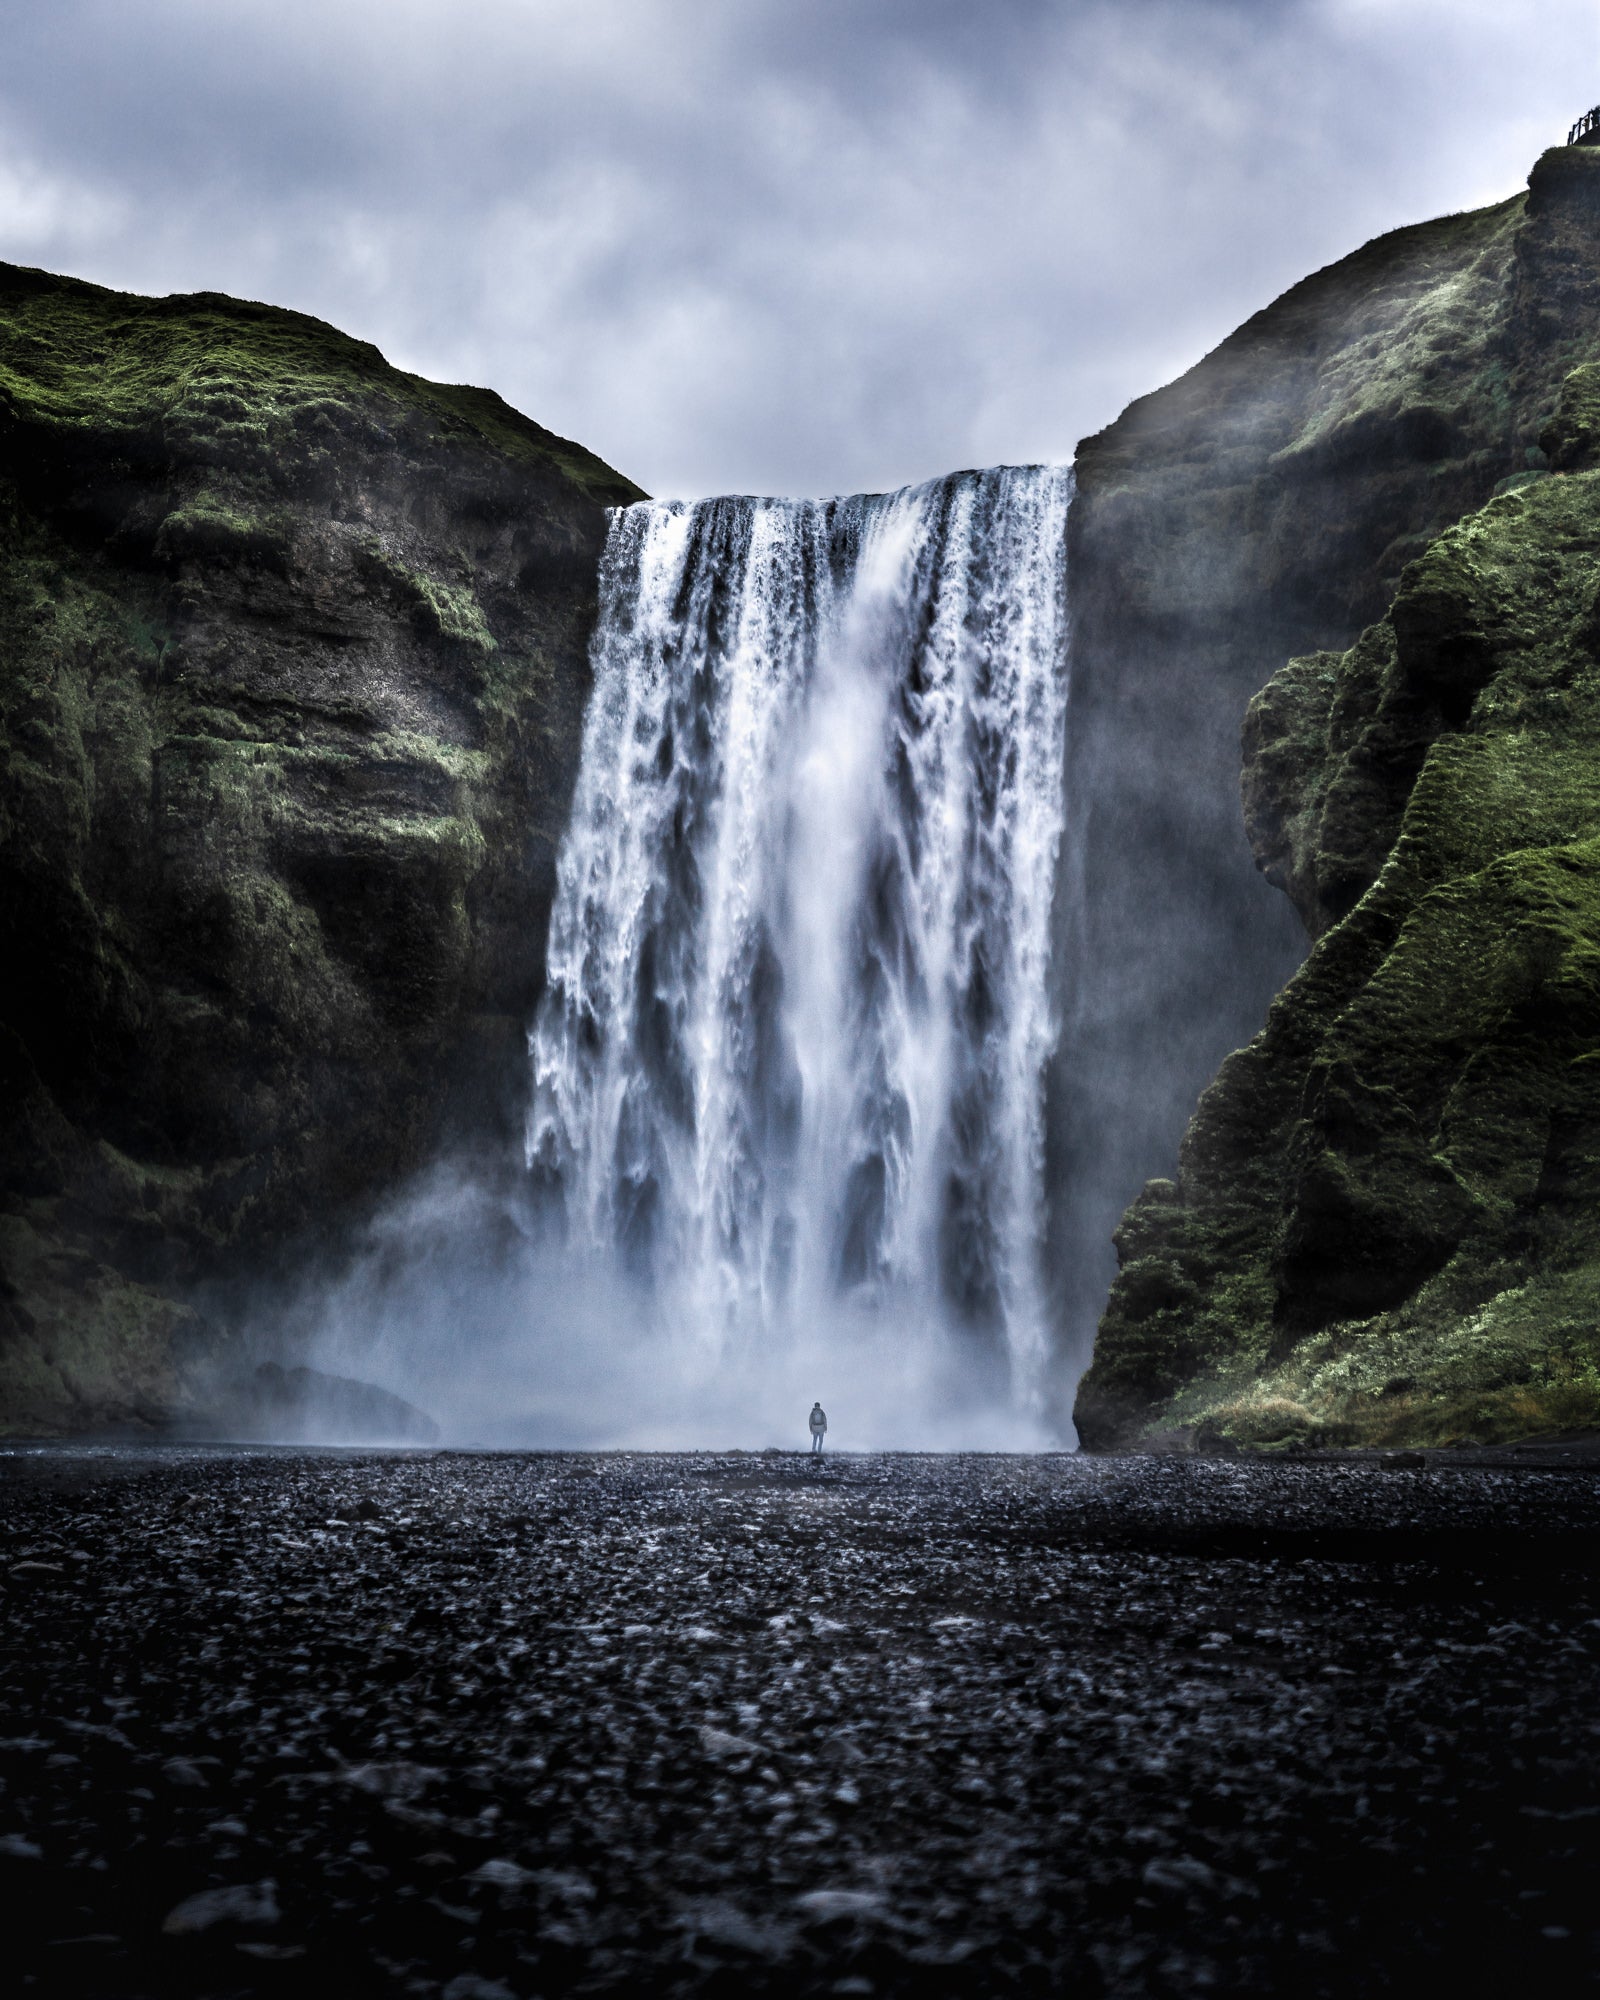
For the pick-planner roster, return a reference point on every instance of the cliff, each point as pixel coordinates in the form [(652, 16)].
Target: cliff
[(292, 680), (292, 674), (1381, 1225)]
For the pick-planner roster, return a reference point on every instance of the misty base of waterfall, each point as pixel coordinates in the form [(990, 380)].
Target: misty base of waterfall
[(482, 1725)]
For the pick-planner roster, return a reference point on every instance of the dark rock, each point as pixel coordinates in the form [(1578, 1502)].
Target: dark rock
[(180, 1772), (1272, 503), (303, 1404), (1180, 1874), (241, 1906), (718, 1743), (832, 1906), (36, 1573), (397, 1780), (500, 1873), (292, 676)]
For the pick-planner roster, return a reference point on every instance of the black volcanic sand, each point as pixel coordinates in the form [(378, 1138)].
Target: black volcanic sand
[(484, 1725)]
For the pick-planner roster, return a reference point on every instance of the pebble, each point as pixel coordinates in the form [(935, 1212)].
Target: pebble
[(827, 1906), (502, 1874), (629, 1724), (247, 1906)]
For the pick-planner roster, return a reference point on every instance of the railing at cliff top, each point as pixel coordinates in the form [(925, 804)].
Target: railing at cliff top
[(1587, 124)]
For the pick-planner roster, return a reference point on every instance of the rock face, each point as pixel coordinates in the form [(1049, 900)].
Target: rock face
[(304, 1405), (1386, 1217), (1265, 505), (292, 675)]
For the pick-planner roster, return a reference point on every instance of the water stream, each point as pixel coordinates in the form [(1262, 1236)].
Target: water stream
[(787, 1071)]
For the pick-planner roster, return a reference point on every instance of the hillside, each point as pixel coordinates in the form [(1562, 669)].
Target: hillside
[(292, 675), (1380, 1227)]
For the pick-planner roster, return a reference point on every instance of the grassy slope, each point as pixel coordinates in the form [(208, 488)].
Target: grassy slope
[(254, 387)]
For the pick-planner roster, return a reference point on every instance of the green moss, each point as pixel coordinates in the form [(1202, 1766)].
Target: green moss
[(231, 384), (1386, 1226), (1429, 368), (485, 415), (102, 1346), (208, 526), (444, 610), (1571, 441)]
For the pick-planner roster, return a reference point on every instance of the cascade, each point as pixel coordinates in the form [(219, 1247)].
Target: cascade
[(788, 1067)]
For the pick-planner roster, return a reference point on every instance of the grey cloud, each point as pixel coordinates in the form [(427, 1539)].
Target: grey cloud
[(740, 244)]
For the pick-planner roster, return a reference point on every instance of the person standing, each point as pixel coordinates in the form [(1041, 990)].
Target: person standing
[(819, 1425)]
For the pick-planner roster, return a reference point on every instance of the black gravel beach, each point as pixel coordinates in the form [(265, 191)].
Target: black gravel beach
[(486, 1725)]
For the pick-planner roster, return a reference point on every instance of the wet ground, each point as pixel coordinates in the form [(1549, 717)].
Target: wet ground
[(489, 1725)]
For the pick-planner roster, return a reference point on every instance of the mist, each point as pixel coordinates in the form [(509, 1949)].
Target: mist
[(452, 1301)]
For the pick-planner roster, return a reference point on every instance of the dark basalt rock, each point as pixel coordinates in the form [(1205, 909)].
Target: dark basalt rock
[(292, 676), (1268, 505), (1383, 1227), (688, 1725)]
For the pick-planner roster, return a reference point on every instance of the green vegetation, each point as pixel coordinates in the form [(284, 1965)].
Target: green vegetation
[(292, 674), (446, 610), (220, 382), (1386, 1225), (1421, 366), (207, 526)]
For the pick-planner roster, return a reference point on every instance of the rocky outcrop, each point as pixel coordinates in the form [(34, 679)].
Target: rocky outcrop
[(1382, 1227), (304, 1406), (292, 675)]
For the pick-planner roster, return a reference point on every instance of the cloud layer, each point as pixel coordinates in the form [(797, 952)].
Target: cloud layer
[(754, 245)]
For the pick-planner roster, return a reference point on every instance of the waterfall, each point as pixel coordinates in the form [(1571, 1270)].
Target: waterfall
[(787, 1073)]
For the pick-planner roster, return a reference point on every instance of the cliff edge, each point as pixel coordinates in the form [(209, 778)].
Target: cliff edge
[(293, 661), (1264, 505), (1383, 1224)]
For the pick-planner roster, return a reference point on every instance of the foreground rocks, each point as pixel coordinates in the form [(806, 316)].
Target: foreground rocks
[(486, 1725)]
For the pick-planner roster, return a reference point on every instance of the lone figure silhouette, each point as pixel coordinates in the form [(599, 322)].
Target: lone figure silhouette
[(819, 1424)]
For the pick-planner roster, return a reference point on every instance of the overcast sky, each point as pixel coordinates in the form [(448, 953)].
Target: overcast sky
[(793, 246)]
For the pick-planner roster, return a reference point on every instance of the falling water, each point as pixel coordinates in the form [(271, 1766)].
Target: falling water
[(787, 1072)]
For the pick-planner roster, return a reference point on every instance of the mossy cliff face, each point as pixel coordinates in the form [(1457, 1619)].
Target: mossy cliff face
[(1385, 1225), (1268, 504), (292, 674)]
